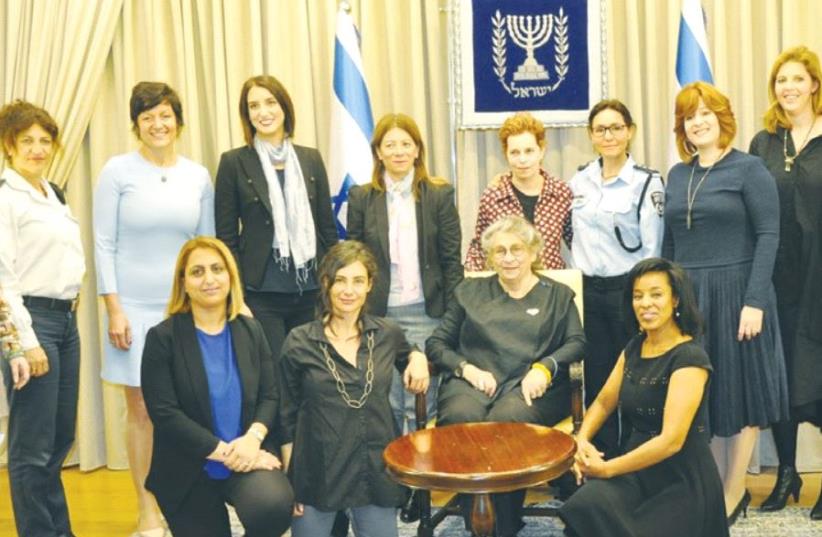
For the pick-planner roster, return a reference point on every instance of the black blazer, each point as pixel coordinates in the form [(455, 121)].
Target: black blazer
[(439, 239), (175, 389), (241, 195)]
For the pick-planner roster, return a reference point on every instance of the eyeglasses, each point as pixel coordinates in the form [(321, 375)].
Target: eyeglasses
[(615, 130), (518, 250)]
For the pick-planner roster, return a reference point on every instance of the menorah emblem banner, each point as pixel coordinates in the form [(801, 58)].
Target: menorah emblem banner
[(543, 56)]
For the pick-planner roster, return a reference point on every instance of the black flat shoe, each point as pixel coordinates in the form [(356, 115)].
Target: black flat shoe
[(741, 507), (412, 509), (788, 483)]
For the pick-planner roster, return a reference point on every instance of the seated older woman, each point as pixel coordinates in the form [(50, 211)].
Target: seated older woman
[(505, 344), (210, 388)]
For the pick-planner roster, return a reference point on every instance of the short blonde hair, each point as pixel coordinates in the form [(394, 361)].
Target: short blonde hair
[(519, 123), (180, 302), (775, 116), (687, 101), (516, 225)]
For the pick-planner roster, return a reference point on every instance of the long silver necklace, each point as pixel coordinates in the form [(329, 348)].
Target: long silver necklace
[(369, 374), (692, 197), (789, 159)]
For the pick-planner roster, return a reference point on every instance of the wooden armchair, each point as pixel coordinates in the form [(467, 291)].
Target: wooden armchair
[(573, 279)]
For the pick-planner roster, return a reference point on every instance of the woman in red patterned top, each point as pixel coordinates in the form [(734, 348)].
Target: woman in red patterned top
[(527, 190)]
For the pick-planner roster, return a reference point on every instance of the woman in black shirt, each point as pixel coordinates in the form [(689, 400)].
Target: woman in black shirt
[(335, 414)]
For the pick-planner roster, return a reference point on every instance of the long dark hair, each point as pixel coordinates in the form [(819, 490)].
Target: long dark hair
[(339, 256), (686, 316)]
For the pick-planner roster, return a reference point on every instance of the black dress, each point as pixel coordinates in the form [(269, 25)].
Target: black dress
[(798, 265), (680, 496)]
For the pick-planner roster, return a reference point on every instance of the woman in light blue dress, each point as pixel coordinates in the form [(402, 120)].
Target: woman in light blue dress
[(147, 204)]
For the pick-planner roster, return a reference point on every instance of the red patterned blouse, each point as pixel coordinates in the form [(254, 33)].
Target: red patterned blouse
[(550, 218)]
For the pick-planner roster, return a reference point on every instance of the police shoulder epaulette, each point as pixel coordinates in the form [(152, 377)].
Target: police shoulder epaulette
[(582, 167), (646, 170)]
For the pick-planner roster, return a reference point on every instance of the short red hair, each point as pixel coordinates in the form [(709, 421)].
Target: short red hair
[(519, 123), (687, 101)]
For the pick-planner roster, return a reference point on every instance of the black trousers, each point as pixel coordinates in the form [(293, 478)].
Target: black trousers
[(263, 500), (42, 420), (606, 335), (279, 313), (459, 402)]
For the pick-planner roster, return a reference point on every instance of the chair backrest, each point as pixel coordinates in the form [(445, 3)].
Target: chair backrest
[(570, 277)]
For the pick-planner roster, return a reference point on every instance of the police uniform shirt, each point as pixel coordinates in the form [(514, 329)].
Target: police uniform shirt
[(598, 208)]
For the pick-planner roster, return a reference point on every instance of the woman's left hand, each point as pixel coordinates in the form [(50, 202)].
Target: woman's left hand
[(750, 323), (589, 461), (415, 377), (534, 385), (242, 453)]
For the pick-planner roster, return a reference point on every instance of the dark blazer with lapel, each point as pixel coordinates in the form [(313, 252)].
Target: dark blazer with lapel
[(439, 241), (241, 196), (175, 389)]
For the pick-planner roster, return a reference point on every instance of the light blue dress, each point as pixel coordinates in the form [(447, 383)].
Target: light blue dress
[(143, 214)]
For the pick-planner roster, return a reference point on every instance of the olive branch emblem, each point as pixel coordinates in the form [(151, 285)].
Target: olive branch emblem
[(499, 39)]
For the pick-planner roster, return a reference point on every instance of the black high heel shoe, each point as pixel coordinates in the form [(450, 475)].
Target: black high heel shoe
[(788, 483), (816, 512), (741, 507)]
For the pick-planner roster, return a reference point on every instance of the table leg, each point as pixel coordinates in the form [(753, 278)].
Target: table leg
[(482, 516)]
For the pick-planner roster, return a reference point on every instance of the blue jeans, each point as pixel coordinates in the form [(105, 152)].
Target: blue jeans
[(42, 419), (366, 521), (417, 326)]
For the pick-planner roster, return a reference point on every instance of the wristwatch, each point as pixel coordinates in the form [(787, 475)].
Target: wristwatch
[(459, 369)]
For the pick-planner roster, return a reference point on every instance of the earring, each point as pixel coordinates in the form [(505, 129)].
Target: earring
[(676, 312)]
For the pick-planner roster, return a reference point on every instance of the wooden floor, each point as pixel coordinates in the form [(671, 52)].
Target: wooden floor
[(102, 503)]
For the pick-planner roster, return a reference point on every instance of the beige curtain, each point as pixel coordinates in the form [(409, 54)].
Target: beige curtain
[(81, 59)]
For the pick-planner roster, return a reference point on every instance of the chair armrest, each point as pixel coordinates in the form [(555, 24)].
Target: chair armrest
[(575, 372), (420, 403)]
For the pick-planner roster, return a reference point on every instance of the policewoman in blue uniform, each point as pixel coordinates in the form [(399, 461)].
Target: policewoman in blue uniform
[(616, 220)]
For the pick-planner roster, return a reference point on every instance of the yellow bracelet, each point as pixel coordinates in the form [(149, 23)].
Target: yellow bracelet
[(545, 371)]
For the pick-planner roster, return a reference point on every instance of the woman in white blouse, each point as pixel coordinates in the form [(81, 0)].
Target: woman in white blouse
[(41, 269)]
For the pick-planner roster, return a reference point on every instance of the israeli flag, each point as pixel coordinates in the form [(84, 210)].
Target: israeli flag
[(351, 121), (692, 59)]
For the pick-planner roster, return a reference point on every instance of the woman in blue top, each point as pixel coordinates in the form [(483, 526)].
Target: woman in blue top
[(616, 219), (212, 394), (722, 226), (146, 205)]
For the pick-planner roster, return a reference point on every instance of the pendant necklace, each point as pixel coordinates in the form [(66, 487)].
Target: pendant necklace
[(692, 197), (789, 159)]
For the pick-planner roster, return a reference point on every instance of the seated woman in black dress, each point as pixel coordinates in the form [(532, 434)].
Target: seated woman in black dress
[(211, 392), (336, 417), (666, 481), (505, 343)]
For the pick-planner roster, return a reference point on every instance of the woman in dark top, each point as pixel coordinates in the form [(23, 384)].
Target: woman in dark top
[(273, 210), (210, 389), (665, 476), (408, 219), (504, 346), (722, 226), (527, 190), (791, 146), (336, 417)]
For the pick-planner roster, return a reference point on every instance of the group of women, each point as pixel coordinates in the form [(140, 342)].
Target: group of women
[(235, 380)]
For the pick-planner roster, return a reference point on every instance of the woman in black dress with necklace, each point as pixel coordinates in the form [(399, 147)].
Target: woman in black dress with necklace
[(666, 476), (791, 146)]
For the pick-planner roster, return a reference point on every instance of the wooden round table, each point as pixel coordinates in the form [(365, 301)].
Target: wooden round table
[(480, 458)]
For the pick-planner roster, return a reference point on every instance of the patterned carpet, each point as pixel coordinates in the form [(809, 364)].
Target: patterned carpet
[(790, 522)]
